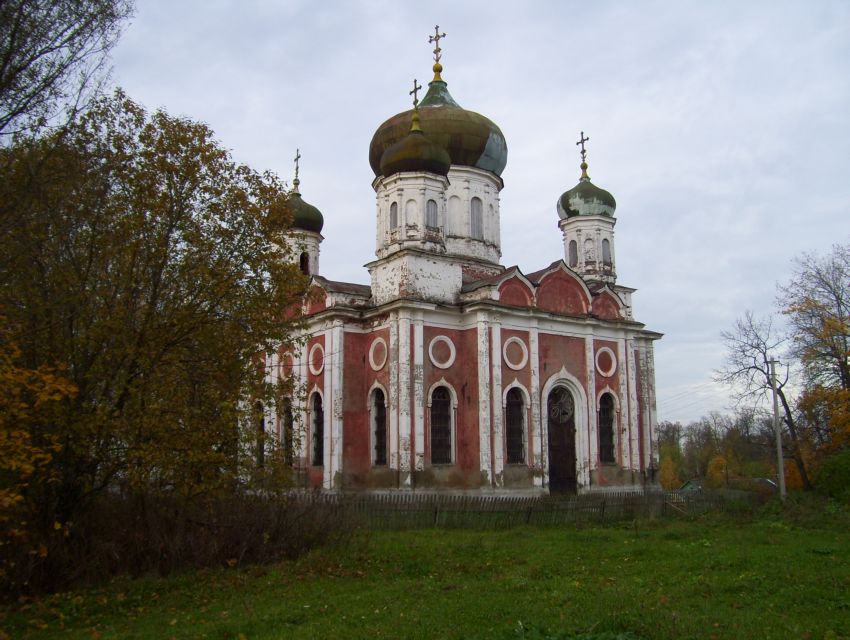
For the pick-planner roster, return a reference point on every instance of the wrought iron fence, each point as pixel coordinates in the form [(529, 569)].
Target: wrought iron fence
[(428, 510)]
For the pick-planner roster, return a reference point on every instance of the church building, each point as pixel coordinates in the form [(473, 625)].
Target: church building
[(452, 371)]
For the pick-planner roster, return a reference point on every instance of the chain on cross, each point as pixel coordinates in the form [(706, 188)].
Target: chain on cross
[(415, 93), (581, 142), (436, 40)]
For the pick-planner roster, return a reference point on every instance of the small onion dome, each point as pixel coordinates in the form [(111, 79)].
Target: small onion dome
[(304, 215), (469, 138), (415, 152), (586, 199)]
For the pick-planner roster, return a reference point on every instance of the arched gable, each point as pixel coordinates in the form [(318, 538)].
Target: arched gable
[(606, 306), (516, 291), (561, 291)]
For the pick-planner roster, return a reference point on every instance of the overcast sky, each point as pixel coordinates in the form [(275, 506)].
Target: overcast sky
[(721, 128)]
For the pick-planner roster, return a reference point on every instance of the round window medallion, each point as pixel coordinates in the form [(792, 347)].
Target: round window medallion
[(515, 353), (442, 352), (606, 362), (316, 359), (287, 363), (378, 354)]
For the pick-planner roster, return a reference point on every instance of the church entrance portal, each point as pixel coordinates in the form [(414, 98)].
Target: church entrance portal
[(562, 441)]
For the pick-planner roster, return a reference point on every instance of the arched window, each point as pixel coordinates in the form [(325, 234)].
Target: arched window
[(606, 428), (304, 263), (573, 253), (431, 214), (606, 252), (288, 432), (260, 423), (476, 219), (318, 431), (515, 427), (394, 215), (441, 426), (379, 427)]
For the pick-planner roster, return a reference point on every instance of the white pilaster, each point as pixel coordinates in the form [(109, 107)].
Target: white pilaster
[(538, 459), (635, 441), (498, 407), (624, 424), (393, 390), (337, 399), (484, 397), (327, 407), (404, 394), (419, 394), (592, 424)]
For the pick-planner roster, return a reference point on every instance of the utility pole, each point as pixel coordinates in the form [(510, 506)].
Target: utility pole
[(780, 461)]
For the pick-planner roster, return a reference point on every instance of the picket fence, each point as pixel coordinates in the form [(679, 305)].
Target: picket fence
[(428, 510)]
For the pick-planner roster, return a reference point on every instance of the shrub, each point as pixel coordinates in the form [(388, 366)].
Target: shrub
[(833, 477)]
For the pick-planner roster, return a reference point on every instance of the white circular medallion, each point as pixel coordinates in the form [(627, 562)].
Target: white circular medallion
[(316, 359), (515, 353), (606, 362), (442, 352), (378, 354)]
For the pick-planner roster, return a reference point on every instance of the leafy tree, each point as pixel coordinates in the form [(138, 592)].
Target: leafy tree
[(750, 347), (52, 54), (817, 303), (153, 269)]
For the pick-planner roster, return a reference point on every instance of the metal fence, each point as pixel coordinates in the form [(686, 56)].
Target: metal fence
[(428, 510)]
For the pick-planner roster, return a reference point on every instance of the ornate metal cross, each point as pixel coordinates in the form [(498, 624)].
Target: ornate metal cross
[(581, 142), (297, 158), (415, 93), (436, 39)]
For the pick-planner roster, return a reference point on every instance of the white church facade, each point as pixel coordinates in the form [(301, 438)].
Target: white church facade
[(451, 371)]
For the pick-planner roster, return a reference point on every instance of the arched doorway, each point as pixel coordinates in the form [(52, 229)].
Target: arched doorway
[(562, 441)]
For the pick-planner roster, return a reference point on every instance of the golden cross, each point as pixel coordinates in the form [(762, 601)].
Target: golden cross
[(415, 93), (297, 158), (581, 142), (436, 40)]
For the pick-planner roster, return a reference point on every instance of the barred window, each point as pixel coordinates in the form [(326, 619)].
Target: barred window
[(288, 432), (606, 428), (318, 431), (379, 427), (515, 427), (441, 426), (476, 219), (573, 253), (431, 214)]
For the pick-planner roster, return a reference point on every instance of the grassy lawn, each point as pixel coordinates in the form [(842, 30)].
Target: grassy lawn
[(716, 577)]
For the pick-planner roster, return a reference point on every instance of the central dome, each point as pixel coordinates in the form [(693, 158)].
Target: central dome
[(470, 139)]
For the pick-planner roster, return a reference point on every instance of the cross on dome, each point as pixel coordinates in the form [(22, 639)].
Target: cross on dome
[(296, 182), (583, 165), (415, 93), (437, 52)]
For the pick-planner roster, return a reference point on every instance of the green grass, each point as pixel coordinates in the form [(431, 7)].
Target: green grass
[(712, 578)]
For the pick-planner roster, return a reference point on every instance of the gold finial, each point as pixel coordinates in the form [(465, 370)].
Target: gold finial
[(583, 165), (296, 182), (414, 126), (437, 51)]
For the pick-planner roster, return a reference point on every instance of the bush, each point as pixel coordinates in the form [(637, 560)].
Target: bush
[(833, 477), (143, 534)]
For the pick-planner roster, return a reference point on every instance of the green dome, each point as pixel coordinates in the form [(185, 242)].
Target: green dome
[(586, 199), (415, 152), (304, 215), (469, 138)]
